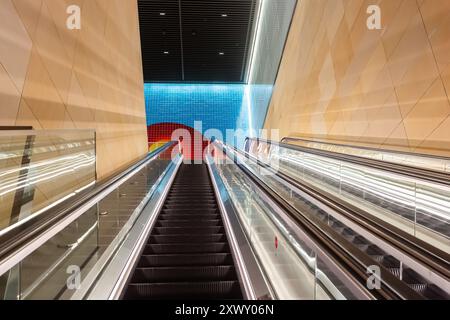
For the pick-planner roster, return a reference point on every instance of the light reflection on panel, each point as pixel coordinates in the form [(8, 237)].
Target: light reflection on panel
[(292, 266), (41, 168), (414, 160), (416, 206)]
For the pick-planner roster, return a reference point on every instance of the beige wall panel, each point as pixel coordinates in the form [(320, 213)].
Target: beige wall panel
[(15, 44), (9, 99), (436, 17), (29, 11), (52, 52), (446, 80), (386, 88), (432, 109), (55, 78), (41, 95), (25, 116), (439, 137)]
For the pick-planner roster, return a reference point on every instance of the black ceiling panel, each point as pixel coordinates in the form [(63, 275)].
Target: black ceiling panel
[(195, 40)]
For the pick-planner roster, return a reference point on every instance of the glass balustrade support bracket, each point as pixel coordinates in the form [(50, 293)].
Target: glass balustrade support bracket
[(115, 273), (251, 277)]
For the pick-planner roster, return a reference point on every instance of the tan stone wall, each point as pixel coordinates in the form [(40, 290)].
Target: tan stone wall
[(388, 88), (55, 78)]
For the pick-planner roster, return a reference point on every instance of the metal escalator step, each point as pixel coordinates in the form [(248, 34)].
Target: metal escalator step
[(173, 200), (197, 206), (187, 230), (182, 274), (185, 259), (185, 290), (206, 190), (218, 247), (192, 199), (189, 223), (166, 239), (360, 241), (195, 216), (390, 262), (192, 190), (191, 211), (433, 292), (374, 250)]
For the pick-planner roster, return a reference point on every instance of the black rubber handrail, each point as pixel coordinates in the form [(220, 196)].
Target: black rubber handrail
[(18, 237), (421, 173), (428, 255), (335, 244)]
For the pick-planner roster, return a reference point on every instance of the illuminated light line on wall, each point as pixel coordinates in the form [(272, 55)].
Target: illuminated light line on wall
[(256, 43)]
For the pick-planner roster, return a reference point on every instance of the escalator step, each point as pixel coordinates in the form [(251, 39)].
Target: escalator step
[(166, 239), (184, 290), (189, 223), (219, 247), (190, 211), (184, 274), (172, 216), (190, 206), (209, 259), (192, 190), (175, 201), (184, 190), (187, 230)]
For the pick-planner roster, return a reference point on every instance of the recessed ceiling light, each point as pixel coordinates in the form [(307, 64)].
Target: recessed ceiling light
[(162, 13), (221, 53), (166, 52), (224, 15)]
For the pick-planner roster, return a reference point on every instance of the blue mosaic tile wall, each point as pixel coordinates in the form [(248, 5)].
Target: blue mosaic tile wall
[(217, 106)]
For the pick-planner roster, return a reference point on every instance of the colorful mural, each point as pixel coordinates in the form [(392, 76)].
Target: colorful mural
[(204, 109)]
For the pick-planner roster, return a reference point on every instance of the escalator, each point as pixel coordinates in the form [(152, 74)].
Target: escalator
[(417, 286), (221, 230), (187, 255), (392, 264)]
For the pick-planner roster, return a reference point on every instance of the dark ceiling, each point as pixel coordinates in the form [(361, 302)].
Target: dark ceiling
[(195, 40)]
